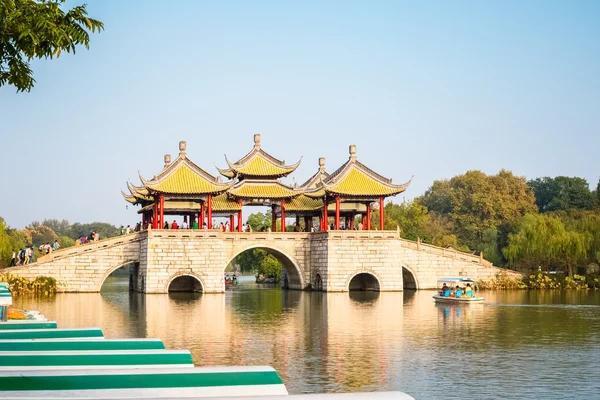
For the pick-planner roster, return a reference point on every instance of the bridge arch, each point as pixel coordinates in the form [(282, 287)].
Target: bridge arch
[(295, 273), (366, 280), (409, 279), (184, 281), (109, 271)]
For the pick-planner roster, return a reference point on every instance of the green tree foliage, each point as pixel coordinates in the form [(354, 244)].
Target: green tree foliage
[(475, 202), (542, 240), (260, 262), (10, 240), (39, 29), (259, 221), (562, 193)]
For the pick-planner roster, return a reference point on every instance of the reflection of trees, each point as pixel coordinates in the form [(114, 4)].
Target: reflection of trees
[(264, 306)]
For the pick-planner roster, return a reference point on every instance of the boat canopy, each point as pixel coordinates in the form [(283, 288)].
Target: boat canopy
[(466, 280)]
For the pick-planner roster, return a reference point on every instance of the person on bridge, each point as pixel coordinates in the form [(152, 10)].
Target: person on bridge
[(55, 245), (13, 259), (174, 225)]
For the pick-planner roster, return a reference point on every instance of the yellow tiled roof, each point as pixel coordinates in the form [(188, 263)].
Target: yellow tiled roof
[(262, 190), (358, 183), (183, 180), (304, 203), (224, 203)]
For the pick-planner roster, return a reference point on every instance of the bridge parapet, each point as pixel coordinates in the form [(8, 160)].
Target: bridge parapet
[(89, 247)]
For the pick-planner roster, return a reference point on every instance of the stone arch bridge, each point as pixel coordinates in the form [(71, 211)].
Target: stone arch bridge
[(329, 261)]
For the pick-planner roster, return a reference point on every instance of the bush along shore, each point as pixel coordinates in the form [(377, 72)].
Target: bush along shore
[(42, 285), (540, 280)]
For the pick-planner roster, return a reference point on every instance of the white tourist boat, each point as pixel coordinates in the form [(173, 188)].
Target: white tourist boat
[(439, 297)]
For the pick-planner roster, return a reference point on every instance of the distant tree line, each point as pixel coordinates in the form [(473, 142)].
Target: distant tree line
[(547, 223)]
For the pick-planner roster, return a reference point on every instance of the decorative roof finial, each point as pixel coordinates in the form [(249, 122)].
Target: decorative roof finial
[(257, 141), (167, 159), (322, 164), (182, 147), (352, 150)]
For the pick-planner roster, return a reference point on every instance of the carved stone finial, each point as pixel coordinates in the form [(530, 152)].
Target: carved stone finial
[(322, 163), (167, 159), (352, 151), (257, 140), (182, 147)]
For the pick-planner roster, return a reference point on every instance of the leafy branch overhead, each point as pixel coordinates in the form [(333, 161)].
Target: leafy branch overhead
[(39, 29)]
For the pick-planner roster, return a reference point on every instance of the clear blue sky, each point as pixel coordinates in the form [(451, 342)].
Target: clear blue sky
[(430, 89)]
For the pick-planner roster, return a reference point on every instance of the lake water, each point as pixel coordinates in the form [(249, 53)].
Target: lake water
[(518, 344)]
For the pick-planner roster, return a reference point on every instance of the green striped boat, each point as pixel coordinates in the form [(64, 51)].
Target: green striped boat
[(80, 344), (115, 359), (142, 383), (50, 333), (27, 325)]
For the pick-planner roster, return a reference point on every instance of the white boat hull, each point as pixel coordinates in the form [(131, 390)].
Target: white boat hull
[(443, 299)]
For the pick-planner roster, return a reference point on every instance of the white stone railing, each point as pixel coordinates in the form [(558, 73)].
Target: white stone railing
[(93, 246), (451, 253)]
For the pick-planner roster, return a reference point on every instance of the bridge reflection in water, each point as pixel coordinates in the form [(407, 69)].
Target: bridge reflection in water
[(354, 341)]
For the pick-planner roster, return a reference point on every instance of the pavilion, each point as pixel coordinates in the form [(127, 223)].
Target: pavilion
[(183, 188)]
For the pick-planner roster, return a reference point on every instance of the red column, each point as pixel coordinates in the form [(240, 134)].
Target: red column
[(202, 216), (162, 212), (282, 215), (209, 211), (155, 215), (321, 221), (325, 216), (364, 222), (337, 213), (273, 219), (240, 216), (381, 212), (231, 223)]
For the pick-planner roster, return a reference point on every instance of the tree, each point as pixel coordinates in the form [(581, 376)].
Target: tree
[(39, 29), (259, 221), (544, 240), (475, 202), (562, 193), (260, 262)]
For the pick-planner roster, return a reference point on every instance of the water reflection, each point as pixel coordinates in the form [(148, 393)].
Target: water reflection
[(515, 345)]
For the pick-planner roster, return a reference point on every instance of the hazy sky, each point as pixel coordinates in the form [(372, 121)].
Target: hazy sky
[(430, 89)]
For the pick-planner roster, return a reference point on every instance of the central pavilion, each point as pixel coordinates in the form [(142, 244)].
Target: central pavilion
[(185, 189)]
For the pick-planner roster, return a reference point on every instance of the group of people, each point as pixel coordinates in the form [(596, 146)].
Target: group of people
[(92, 237), (26, 255), (457, 292)]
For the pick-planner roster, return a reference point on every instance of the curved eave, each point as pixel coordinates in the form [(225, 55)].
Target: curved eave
[(129, 198), (266, 190), (245, 170)]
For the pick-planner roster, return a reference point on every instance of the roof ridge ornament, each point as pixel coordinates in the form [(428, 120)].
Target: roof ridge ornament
[(167, 160), (182, 147), (321, 164), (352, 151), (257, 141)]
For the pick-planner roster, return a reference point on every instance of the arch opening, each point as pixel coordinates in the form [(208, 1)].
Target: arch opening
[(185, 284), (120, 278), (409, 282), (318, 282), (364, 282), (268, 265)]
